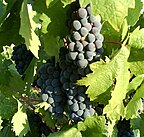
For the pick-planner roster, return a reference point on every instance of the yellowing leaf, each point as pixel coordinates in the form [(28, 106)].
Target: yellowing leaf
[(20, 121), (26, 30)]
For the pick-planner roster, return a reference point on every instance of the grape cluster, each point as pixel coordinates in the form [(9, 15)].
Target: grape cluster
[(85, 40), (22, 58), (50, 84), (124, 129), (58, 84), (37, 127), (78, 103)]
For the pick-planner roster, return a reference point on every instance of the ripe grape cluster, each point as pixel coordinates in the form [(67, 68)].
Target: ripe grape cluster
[(58, 83), (50, 84), (37, 127), (124, 129), (85, 40), (78, 103), (22, 58)]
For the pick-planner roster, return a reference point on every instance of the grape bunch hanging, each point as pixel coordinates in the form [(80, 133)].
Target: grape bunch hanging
[(22, 58), (50, 85), (84, 46), (85, 40)]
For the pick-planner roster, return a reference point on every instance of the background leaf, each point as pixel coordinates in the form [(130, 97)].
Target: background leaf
[(20, 121)]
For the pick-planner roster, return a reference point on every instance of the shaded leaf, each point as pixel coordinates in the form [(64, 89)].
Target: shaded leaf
[(135, 103)]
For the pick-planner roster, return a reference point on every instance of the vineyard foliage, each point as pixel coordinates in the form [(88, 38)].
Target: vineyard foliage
[(115, 84)]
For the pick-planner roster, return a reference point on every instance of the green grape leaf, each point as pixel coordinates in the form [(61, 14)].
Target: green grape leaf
[(112, 11), (134, 14), (135, 83), (136, 39), (93, 126), (54, 18), (136, 59), (71, 132), (5, 8), (138, 123), (135, 103), (115, 108), (9, 29), (27, 31), (103, 74), (1, 123), (124, 29), (8, 105), (20, 121), (7, 132), (2, 9)]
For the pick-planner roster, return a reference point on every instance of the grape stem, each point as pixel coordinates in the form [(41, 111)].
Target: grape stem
[(112, 42)]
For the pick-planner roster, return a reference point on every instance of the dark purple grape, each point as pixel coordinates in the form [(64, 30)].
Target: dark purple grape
[(71, 46), (76, 36), (82, 13), (78, 46), (76, 24), (91, 47), (91, 38), (84, 21), (82, 63), (44, 97), (84, 31), (89, 9)]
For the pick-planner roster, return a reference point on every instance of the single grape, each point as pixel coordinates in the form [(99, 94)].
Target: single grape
[(81, 97), (71, 46), (95, 31), (91, 47), (89, 9), (98, 24), (91, 37), (82, 13), (39, 82), (82, 106), (84, 31), (88, 26), (89, 54), (55, 83), (66, 74), (98, 44), (84, 21), (48, 82), (76, 24), (92, 19), (79, 46), (82, 63), (100, 37), (44, 97), (76, 36), (50, 100), (69, 102), (80, 56), (75, 107), (85, 43), (79, 112), (66, 86), (72, 55), (86, 113)]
